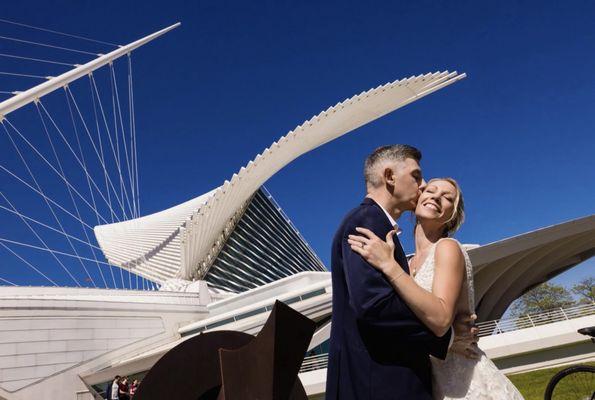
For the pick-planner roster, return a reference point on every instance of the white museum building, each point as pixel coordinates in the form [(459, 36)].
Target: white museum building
[(220, 260)]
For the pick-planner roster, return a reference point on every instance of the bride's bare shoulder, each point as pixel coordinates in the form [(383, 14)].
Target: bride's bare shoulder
[(449, 250)]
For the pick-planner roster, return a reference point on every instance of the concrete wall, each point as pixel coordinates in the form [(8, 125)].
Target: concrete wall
[(31, 349), (51, 336), (542, 346)]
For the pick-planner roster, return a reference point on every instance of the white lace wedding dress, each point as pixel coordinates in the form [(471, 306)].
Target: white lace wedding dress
[(458, 377)]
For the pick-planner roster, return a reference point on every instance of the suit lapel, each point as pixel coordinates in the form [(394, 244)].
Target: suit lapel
[(400, 254)]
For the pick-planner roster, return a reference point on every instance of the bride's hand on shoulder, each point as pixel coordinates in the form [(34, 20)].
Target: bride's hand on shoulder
[(377, 252)]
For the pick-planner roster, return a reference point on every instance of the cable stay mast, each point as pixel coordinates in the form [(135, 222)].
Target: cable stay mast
[(23, 98)]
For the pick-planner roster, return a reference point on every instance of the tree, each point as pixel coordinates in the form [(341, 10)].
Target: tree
[(542, 298), (585, 290)]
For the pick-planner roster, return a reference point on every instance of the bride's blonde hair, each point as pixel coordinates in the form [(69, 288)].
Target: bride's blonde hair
[(458, 215)]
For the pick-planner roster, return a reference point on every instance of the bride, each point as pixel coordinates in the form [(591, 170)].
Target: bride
[(439, 288)]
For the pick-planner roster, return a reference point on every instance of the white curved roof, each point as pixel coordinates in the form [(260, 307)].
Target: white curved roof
[(183, 240), (150, 245), (506, 269)]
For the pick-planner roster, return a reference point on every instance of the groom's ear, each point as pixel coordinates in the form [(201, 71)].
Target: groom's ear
[(389, 176)]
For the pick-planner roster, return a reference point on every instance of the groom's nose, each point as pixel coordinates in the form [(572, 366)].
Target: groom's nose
[(423, 185)]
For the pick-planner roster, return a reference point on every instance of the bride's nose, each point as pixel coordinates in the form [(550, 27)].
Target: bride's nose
[(434, 196)]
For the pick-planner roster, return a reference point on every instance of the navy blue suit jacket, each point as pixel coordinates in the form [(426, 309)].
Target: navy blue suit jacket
[(379, 349)]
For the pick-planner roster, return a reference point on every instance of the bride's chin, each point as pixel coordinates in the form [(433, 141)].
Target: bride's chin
[(428, 218)]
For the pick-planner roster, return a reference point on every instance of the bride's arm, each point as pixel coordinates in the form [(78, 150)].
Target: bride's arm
[(435, 309)]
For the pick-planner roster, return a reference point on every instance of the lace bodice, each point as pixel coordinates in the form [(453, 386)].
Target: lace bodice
[(425, 278), (458, 377)]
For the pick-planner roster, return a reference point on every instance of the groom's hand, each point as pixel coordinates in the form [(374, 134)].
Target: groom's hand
[(466, 337)]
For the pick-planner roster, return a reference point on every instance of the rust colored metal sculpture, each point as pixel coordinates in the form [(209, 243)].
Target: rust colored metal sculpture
[(228, 365)]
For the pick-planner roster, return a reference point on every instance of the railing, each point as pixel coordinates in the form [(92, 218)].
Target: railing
[(498, 326), (312, 363)]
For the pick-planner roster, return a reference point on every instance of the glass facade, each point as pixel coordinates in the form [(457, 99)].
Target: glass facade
[(264, 247)]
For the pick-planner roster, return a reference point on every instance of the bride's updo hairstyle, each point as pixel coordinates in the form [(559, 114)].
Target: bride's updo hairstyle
[(458, 216)]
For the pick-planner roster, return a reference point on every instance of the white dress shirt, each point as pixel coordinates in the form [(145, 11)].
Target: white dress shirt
[(392, 221)]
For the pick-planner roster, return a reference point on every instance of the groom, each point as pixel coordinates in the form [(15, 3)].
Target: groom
[(379, 349)]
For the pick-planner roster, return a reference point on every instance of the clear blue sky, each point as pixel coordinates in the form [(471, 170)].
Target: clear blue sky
[(518, 133)]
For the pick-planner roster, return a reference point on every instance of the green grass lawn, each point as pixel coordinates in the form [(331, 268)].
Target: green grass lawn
[(532, 384)]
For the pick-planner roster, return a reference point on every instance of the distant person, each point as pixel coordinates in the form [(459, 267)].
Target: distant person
[(123, 389), (134, 387), (439, 288), (379, 348), (113, 389)]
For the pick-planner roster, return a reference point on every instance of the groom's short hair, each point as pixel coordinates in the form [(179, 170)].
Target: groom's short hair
[(391, 153)]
